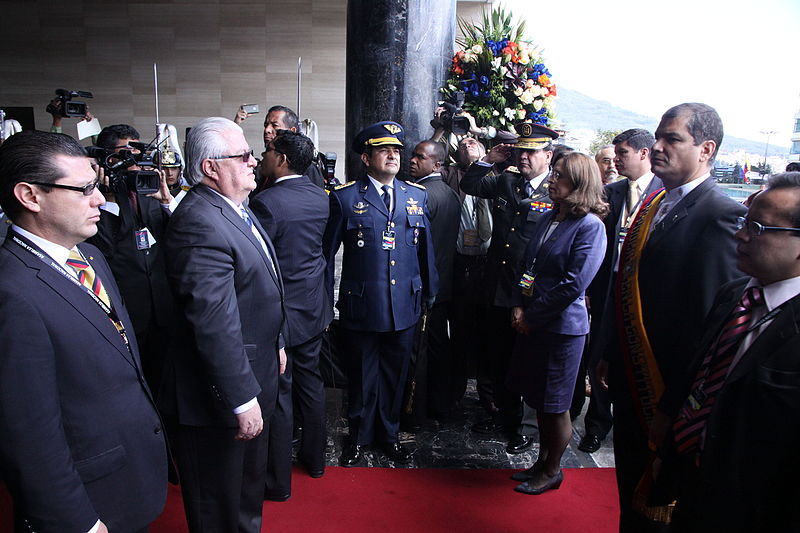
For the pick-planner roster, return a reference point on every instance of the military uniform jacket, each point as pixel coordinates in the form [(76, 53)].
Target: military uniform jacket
[(515, 217), (380, 289)]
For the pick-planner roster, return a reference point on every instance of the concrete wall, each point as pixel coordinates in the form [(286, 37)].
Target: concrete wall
[(212, 56)]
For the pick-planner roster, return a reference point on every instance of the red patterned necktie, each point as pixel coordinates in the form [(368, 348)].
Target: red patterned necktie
[(691, 421), (87, 276)]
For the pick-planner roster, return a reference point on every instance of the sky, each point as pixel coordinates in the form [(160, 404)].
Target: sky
[(739, 56)]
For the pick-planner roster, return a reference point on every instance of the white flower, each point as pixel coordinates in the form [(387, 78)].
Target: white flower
[(495, 113), (496, 62), (477, 49), (518, 91), (451, 87), (537, 104), (521, 114), (536, 91), (526, 98), (510, 113), (469, 57)]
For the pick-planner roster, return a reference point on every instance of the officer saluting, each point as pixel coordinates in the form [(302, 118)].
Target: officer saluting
[(520, 199), (388, 274)]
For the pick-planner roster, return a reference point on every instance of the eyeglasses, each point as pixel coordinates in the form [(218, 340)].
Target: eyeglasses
[(754, 228), (87, 190), (245, 157)]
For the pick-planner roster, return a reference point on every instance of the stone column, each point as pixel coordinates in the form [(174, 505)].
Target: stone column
[(398, 55)]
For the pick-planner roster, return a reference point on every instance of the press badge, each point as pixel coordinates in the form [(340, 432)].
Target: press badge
[(389, 240), (471, 238), (144, 239)]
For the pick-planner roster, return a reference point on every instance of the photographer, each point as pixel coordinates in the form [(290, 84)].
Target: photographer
[(130, 234), (278, 118)]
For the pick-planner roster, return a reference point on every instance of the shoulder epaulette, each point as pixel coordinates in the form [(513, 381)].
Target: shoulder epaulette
[(513, 170), (342, 186), (185, 187), (417, 185)]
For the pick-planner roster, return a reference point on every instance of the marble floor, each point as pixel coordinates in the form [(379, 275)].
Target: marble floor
[(453, 445)]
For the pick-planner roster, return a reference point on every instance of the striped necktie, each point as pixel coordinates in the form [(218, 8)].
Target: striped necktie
[(87, 276), (691, 421)]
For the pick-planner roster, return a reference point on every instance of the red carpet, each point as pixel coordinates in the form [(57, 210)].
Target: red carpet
[(432, 500)]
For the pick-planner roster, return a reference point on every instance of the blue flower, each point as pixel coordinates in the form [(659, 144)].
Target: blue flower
[(484, 80)]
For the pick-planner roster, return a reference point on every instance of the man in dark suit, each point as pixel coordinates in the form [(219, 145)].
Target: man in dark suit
[(294, 213), (222, 382), (632, 157), (732, 449), (674, 259), (444, 209), (520, 199), (388, 274), (82, 446), (131, 234)]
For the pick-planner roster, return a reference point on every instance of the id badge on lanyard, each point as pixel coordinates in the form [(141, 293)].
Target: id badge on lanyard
[(527, 280)]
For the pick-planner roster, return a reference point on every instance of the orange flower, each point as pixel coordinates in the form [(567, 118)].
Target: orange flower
[(544, 81), (458, 70), (552, 91)]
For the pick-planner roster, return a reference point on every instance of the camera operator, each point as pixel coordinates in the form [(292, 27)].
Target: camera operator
[(55, 111), (278, 118), (131, 233)]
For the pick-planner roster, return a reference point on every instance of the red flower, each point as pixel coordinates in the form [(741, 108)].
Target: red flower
[(552, 90)]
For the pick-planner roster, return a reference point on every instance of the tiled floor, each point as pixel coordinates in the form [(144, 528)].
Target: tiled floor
[(453, 445)]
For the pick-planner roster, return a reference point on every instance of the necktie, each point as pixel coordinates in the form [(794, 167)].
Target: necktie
[(87, 276), (386, 196), (247, 220), (691, 421), (528, 190), (633, 200), (484, 218)]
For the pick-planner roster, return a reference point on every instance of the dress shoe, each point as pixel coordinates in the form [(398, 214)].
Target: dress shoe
[(316, 474), (525, 475), (590, 443), (352, 455), (519, 444), (553, 484), (487, 427), (276, 497), (297, 436), (396, 452)]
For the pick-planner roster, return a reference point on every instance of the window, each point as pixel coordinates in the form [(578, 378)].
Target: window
[(797, 125), (795, 147)]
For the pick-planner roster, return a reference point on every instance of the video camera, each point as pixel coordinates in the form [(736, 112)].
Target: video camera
[(451, 119), (69, 108), (147, 180), (326, 161)]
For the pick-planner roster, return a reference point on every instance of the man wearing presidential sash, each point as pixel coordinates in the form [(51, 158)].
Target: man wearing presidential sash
[(678, 252)]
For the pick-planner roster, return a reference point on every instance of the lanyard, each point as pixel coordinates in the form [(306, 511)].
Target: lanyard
[(112, 315)]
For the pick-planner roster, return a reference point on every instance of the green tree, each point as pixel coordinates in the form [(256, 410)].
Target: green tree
[(602, 138)]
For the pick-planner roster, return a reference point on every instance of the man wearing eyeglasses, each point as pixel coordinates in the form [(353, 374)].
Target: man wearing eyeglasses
[(673, 261), (221, 382), (731, 459), (82, 445), (130, 234)]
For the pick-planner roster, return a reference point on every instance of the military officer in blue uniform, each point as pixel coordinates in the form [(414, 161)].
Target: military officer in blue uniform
[(388, 275)]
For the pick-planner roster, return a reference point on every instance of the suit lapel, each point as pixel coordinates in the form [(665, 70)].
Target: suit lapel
[(370, 194), (783, 327), (236, 220), (679, 212), (74, 295)]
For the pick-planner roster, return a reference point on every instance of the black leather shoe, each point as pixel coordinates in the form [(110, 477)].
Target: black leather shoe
[(525, 475), (519, 444), (297, 435), (487, 427), (352, 455), (590, 443), (396, 452), (553, 484), (276, 497)]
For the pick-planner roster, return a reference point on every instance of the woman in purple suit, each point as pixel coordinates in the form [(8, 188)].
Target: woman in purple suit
[(562, 258)]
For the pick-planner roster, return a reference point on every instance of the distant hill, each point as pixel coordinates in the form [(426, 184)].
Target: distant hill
[(576, 110)]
